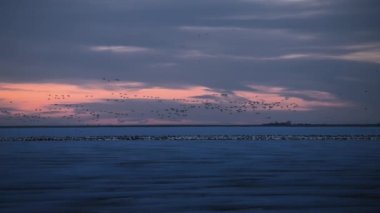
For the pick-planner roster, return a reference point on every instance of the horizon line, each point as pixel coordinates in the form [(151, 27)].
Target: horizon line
[(199, 125)]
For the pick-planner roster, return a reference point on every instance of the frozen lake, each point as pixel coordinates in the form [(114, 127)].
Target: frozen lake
[(199, 176)]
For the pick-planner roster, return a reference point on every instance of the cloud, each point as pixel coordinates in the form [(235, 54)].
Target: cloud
[(275, 16), (366, 53), (164, 65), (260, 32), (197, 54), (362, 52), (121, 49), (360, 46), (305, 100), (365, 56), (310, 94), (301, 45), (289, 2), (125, 102)]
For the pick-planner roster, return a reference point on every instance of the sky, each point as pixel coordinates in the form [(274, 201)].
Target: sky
[(90, 62)]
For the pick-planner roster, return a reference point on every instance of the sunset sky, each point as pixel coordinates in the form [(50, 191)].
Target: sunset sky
[(79, 62)]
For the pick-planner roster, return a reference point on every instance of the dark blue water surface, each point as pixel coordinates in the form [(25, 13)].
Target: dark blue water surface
[(231, 130), (196, 176)]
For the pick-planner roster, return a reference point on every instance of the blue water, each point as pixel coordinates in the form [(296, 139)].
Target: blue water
[(101, 131), (198, 176)]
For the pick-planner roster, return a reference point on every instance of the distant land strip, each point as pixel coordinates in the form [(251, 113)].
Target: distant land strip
[(194, 138), (275, 124)]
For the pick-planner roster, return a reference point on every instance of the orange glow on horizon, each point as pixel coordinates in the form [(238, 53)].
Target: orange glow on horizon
[(35, 98)]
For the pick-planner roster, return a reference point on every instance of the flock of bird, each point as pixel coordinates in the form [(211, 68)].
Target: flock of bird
[(124, 107)]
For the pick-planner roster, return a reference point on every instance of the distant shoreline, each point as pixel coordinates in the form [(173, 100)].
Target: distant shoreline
[(194, 138), (195, 125)]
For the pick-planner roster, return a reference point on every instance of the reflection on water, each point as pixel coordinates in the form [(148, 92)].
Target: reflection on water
[(190, 177)]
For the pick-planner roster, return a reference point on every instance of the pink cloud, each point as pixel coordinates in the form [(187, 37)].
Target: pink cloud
[(53, 100)]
